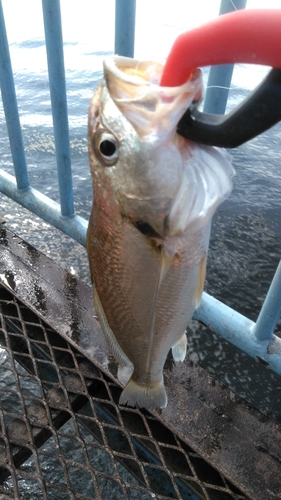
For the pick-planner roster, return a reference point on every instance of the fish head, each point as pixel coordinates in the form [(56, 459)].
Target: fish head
[(137, 159)]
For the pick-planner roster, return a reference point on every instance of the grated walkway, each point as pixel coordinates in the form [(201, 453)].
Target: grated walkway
[(63, 435)]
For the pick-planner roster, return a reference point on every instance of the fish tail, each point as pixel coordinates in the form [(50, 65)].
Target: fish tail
[(144, 396)]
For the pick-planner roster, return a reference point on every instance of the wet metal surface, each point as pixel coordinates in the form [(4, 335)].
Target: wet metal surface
[(205, 425), (63, 434)]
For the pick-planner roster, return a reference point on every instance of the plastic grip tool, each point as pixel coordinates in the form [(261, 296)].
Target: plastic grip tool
[(257, 113), (244, 36)]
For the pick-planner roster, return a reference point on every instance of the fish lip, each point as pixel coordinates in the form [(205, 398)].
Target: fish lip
[(152, 110), (115, 64)]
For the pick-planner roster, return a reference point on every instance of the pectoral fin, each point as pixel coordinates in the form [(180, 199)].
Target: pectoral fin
[(164, 265), (200, 282), (112, 343)]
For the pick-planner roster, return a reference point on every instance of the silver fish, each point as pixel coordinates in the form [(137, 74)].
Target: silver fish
[(154, 197)]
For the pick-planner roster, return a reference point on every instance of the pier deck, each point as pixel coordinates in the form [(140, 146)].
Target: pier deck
[(63, 434)]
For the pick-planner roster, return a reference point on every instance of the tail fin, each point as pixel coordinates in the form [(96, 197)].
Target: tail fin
[(144, 396)]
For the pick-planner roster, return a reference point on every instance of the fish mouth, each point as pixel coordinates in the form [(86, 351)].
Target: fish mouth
[(151, 109)]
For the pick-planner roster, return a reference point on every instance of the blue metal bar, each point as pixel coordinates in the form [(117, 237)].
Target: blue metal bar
[(44, 207), (54, 46), (220, 76), (271, 309), (217, 91), (125, 13), (11, 108), (239, 331)]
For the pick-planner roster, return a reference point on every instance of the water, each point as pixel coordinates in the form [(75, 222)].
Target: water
[(246, 238)]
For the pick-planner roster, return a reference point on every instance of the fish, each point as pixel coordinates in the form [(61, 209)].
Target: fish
[(154, 196)]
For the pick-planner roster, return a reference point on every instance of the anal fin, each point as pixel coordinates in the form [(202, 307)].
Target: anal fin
[(124, 373), (179, 349)]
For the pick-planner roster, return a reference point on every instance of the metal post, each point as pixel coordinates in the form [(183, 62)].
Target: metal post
[(271, 309), (54, 46), (11, 109), (125, 13), (220, 76)]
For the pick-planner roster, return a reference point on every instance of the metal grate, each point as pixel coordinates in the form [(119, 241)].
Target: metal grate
[(63, 435)]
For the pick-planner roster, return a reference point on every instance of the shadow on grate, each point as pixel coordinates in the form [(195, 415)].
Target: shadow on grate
[(63, 435)]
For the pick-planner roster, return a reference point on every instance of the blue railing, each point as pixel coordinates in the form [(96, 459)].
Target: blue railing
[(256, 339), (18, 188)]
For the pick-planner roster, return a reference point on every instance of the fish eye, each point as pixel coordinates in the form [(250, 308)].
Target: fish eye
[(108, 148)]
